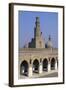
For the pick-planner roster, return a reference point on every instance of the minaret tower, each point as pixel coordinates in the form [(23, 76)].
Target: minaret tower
[(39, 42)]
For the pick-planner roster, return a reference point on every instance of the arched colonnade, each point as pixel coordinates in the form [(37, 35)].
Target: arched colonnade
[(38, 66)]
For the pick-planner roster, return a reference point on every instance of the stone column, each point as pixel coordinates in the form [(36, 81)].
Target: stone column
[(56, 65), (49, 65), (30, 69), (40, 66)]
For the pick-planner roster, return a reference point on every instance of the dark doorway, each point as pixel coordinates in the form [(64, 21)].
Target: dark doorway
[(53, 64), (45, 65), (36, 66), (24, 68)]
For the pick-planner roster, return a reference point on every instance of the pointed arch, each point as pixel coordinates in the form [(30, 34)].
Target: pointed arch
[(24, 68), (52, 64), (36, 66), (45, 65)]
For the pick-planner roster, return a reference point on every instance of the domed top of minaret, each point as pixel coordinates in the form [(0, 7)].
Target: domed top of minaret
[(37, 19), (37, 27), (49, 43)]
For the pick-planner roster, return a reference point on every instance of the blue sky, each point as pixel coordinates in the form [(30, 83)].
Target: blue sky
[(48, 26)]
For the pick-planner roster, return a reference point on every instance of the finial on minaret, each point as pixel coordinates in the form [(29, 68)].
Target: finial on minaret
[(41, 33), (37, 22), (37, 19), (49, 43), (49, 38)]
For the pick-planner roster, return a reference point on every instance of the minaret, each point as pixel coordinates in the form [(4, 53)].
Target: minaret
[(39, 43), (37, 28)]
